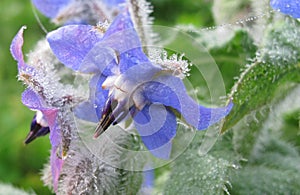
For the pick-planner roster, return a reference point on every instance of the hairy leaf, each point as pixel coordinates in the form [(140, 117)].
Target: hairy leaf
[(195, 174), (276, 64), (274, 169)]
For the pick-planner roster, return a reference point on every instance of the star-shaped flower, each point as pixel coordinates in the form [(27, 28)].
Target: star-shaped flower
[(290, 7), (45, 120), (126, 83)]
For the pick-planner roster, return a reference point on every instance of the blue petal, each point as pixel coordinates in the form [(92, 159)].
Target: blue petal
[(16, 48), (35, 102), (72, 43), (137, 75), (91, 110), (170, 91), (108, 56), (148, 181), (114, 2), (121, 23), (290, 7), (32, 100), (50, 8), (82, 48), (157, 126), (98, 95), (16, 51), (131, 58), (122, 37), (100, 59), (56, 166), (86, 111)]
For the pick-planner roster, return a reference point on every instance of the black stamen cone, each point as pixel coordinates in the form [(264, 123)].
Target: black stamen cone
[(36, 130)]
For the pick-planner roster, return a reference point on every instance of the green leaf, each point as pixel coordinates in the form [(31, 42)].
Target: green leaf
[(198, 175), (276, 64), (291, 127), (248, 132), (130, 183), (272, 162)]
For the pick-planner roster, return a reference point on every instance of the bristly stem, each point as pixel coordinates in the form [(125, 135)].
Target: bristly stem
[(140, 10)]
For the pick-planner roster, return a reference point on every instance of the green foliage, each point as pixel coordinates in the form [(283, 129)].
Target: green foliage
[(276, 63), (195, 174), (274, 169), (255, 156), (265, 180), (20, 164), (272, 164), (291, 127)]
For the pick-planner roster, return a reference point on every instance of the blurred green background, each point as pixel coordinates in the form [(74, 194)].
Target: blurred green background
[(21, 165)]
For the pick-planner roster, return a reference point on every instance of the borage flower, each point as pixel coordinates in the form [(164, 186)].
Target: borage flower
[(290, 7), (125, 83), (45, 120), (46, 116)]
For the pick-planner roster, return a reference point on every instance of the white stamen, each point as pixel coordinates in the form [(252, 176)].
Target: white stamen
[(138, 99), (40, 119), (174, 63), (109, 82)]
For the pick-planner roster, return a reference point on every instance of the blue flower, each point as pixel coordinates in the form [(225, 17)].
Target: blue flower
[(73, 11), (45, 120), (290, 7), (126, 83)]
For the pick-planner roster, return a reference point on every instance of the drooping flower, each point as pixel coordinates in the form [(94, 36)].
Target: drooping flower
[(126, 83), (74, 11), (34, 102), (45, 120), (290, 7)]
